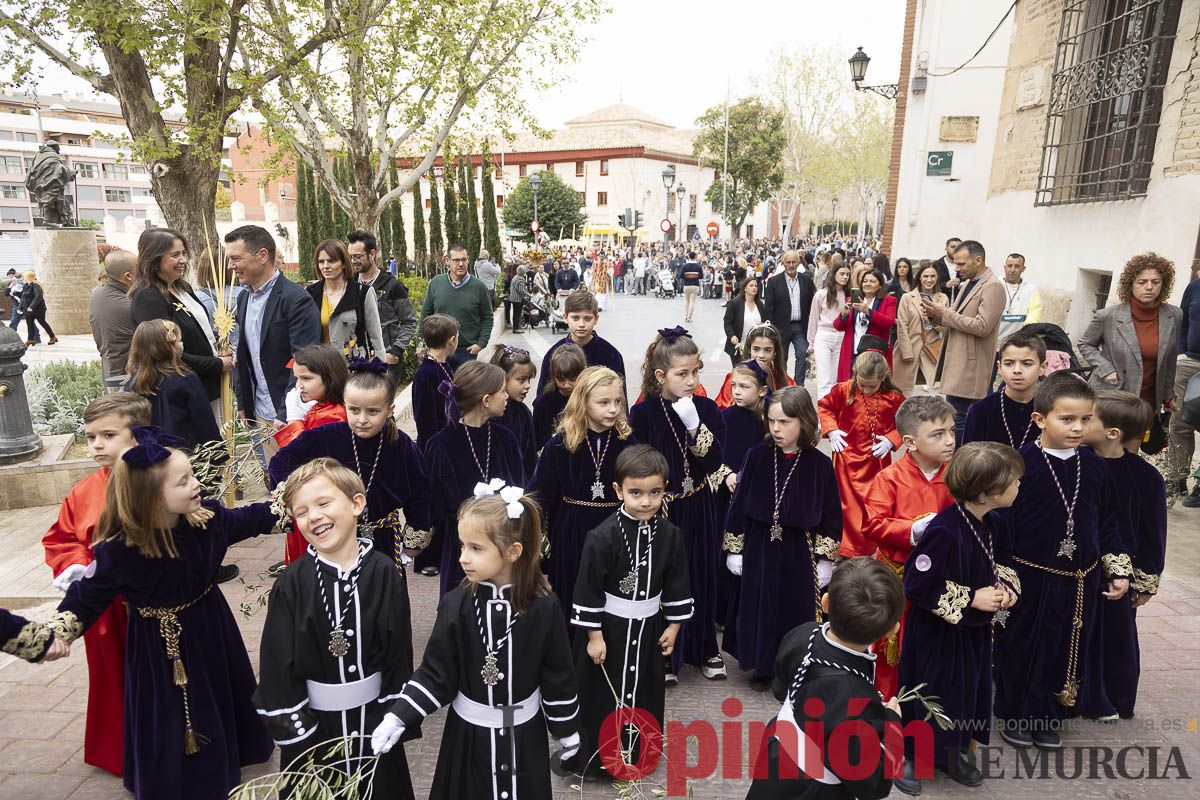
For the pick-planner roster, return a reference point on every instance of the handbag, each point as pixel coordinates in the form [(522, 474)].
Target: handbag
[(1189, 406), (1155, 440)]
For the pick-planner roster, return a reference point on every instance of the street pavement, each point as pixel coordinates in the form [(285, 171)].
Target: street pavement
[(42, 707)]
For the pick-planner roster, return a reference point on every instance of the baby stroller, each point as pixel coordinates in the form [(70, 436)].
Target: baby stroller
[(557, 321), (666, 284), (536, 312), (1060, 354)]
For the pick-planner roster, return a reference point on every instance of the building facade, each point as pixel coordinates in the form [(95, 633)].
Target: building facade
[(1072, 137)]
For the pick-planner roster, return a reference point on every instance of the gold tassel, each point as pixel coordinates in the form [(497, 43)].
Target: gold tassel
[(893, 651), (179, 672), (192, 742)]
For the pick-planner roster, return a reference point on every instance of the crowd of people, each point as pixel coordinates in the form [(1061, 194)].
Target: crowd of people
[(989, 543)]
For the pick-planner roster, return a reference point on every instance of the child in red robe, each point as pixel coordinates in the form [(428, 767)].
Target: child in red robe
[(321, 376), (858, 417), (108, 423), (903, 500)]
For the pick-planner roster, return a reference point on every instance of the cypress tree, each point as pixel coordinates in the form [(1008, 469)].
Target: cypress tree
[(473, 236), (491, 226), (437, 245), (399, 237), (341, 220), (304, 220), (323, 226), (450, 206), (420, 243)]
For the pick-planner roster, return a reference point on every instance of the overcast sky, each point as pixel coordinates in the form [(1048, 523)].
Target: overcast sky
[(672, 58)]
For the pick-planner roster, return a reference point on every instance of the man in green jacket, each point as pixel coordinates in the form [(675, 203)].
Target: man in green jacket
[(457, 294)]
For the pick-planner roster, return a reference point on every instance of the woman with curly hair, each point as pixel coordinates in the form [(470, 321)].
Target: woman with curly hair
[(1133, 345)]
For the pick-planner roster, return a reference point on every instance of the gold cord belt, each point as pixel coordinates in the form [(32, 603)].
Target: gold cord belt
[(1070, 691), (589, 503), (892, 651), (171, 630)]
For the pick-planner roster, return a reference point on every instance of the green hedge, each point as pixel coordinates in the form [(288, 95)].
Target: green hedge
[(416, 295)]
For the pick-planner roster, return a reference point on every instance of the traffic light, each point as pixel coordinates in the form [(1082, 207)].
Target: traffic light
[(621, 220), (638, 220)]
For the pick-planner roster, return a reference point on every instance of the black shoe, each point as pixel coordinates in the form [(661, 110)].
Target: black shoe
[(671, 679), (276, 569), (1015, 735), (961, 770), (909, 784), (760, 684), (1192, 500), (227, 572), (429, 572), (1047, 740)]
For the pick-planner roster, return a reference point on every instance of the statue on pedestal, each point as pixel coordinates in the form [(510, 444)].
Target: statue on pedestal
[(47, 182)]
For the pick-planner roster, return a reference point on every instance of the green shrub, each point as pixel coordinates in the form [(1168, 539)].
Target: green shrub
[(416, 295), (58, 392)]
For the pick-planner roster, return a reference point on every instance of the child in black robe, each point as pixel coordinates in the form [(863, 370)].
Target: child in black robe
[(1121, 421), (631, 596), (498, 656), (582, 313), (1070, 557), (337, 641), (1006, 415), (548, 406), (397, 517), (831, 663), (519, 371), (473, 451), (440, 333), (960, 583)]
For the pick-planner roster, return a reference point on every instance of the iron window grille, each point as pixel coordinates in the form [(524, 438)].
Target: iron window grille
[(1106, 97)]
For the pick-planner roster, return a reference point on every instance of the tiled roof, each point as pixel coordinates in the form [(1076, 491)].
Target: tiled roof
[(618, 113)]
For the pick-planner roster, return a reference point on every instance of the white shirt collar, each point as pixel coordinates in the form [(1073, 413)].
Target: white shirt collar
[(825, 633), (1060, 453)]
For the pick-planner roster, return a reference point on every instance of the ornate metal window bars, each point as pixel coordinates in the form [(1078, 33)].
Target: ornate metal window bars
[(1105, 99)]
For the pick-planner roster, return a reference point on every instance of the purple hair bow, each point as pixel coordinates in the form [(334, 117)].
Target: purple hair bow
[(671, 334), (757, 369), (361, 364), (151, 447)]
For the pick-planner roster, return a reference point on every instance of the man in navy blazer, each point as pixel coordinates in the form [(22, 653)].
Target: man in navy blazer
[(275, 318)]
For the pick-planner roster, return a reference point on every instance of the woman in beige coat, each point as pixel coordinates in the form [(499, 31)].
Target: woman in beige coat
[(918, 341)]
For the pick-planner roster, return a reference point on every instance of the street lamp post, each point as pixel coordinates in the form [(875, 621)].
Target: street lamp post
[(668, 179), (680, 193), (787, 207), (879, 218), (837, 224), (535, 180), (858, 72)]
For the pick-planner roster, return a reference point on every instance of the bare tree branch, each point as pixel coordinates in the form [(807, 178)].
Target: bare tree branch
[(100, 82)]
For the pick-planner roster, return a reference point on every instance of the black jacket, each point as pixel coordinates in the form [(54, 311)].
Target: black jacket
[(290, 321), (33, 299), (147, 303), (354, 297), (779, 303), (735, 320), (396, 315)]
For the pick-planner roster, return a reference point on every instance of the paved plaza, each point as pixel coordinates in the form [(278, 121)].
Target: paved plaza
[(42, 707)]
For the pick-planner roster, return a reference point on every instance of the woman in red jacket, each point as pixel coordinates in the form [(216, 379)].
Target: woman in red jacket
[(871, 313)]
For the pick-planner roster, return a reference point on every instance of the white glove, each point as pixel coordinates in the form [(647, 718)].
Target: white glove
[(386, 734), (883, 446), (68, 576), (570, 746), (295, 407), (824, 572), (734, 562), (919, 526), (837, 440), (685, 407)]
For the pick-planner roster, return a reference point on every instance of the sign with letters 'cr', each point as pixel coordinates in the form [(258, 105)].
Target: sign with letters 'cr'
[(939, 162)]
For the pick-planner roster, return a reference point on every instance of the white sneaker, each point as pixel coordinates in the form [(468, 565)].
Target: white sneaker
[(714, 669), (672, 679)]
